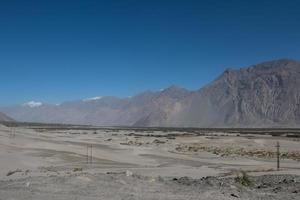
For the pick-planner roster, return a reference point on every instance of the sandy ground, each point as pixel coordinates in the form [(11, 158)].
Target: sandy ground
[(144, 165)]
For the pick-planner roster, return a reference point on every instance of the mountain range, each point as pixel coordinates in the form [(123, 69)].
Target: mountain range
[(262, 95)]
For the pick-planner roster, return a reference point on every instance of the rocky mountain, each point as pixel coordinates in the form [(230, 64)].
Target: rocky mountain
[(262, 95), (5, 118)]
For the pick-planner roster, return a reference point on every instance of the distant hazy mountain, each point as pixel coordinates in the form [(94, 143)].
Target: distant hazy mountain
[(263, 95), (5, 118)]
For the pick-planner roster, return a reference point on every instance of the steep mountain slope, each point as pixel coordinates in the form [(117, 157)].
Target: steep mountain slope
[(5, 118), (263, 95)]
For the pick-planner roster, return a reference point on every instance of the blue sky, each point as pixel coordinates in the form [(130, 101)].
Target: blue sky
[(52, 51)]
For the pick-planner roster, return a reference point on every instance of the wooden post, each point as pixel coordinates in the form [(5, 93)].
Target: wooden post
[(278, 156), (12, 132), (87, 154), (91, 159)]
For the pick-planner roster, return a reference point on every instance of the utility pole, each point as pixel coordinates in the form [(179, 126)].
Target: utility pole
[(278, 155), (91, 160), (89, 153), (12, 132)]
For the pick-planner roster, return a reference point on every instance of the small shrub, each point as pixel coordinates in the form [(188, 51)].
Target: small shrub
[(243, 179), (77, 169)]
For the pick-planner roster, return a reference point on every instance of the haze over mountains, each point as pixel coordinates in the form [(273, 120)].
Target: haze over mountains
[(262, 95), (5, 118)]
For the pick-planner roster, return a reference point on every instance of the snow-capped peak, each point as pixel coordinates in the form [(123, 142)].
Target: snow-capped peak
[(33, 104), (93, 99)]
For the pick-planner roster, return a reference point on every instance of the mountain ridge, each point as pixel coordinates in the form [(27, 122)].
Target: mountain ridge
[(261, 95)]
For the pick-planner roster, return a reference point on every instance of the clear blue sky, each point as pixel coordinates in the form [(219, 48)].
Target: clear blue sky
[(52, 51)]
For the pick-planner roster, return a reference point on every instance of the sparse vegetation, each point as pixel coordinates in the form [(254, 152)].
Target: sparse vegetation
[(77, 169), (236, 151), (243, 179)]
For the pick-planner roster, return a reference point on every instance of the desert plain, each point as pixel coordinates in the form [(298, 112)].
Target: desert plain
[(81, 162)]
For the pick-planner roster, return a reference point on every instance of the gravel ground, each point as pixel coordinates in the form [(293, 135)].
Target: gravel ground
[(129, 187)]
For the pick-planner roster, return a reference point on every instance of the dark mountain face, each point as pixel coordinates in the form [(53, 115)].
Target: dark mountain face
[(263, 95), (5, 118)]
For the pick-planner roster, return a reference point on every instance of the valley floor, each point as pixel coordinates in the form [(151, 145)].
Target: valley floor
[(145, 164)]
